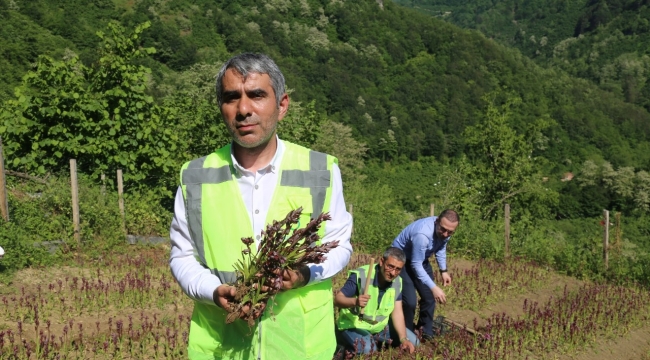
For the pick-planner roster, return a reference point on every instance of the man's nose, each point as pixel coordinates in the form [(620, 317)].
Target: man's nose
[(244, 108)]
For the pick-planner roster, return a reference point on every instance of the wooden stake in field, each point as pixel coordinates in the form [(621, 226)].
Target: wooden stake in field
[(617, 233), (4, 205), (75, 200), (606, 239), (460, 326), (103, 190), (507, 231), (432, 210), (368, 282), (120, 199)]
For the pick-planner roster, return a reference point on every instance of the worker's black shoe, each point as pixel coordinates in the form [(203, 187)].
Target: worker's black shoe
[(440, 327), (426, 338)]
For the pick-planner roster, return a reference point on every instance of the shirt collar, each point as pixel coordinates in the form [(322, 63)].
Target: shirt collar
[(273, 166)]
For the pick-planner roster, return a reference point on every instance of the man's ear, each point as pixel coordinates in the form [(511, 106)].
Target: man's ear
[(284, 106)]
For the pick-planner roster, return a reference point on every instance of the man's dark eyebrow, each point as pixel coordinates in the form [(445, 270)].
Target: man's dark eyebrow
[(256, 92), (230, 94)]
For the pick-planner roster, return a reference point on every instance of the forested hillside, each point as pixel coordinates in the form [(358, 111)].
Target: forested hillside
[(604, 41), (406, 83)]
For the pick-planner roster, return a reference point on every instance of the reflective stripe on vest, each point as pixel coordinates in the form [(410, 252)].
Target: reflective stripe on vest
[(193, 177), (317, 178)]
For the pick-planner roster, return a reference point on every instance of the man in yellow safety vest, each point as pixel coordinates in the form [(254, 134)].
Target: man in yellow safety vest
[(235, 192), (382, 321)]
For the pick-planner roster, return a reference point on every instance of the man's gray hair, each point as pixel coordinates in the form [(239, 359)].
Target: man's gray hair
[(253, 63), (397, 253)]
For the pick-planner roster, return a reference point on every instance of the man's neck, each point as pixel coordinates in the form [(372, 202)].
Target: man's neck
[(253, 159)]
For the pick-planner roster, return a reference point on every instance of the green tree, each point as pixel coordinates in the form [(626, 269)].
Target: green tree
[(336, 139), (302, 124), (100, 115), (377, 216), (504, 167), (198, 122), (625, 189)]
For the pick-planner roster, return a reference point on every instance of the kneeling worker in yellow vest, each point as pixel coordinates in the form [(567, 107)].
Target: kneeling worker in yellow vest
[(383, 319)]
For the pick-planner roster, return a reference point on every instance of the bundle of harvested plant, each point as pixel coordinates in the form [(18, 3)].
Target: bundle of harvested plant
[(282, 248)]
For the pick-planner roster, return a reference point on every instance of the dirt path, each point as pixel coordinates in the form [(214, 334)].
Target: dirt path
[(635, 345)]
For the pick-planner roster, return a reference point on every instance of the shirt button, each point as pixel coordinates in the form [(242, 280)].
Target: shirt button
[(258, 237), (272, 167), (257, 187), (257, 211)]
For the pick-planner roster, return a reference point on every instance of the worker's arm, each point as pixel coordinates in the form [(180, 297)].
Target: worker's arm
[(418, 256), (419, 244), (441, 258), (345, 302), (195, 280), (348, 296), (400, 327)]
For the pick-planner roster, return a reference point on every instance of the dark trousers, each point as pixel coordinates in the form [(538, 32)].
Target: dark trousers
[(361, 341), (411, 283)]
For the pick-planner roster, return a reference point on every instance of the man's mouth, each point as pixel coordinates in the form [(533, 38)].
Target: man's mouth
[(245, 126)]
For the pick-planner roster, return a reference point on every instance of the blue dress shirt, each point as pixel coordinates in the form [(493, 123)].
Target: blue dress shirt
[(419, 242)]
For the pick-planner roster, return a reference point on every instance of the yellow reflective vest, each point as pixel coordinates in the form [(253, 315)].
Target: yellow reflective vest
[(375, 316), (300, 323)]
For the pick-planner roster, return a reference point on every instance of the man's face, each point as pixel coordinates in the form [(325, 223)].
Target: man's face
[(445, 228), (249, 108), (390, 268)]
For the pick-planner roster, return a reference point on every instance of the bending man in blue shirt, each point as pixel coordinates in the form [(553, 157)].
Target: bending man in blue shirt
[(420, 240)]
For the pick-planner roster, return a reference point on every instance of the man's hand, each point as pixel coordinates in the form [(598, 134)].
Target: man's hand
[(362, 300), (446, 279), (439, 295), (407, 345), (292, 279), (224, 295)]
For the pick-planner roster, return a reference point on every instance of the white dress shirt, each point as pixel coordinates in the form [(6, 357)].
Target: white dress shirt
[(257, 191)]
